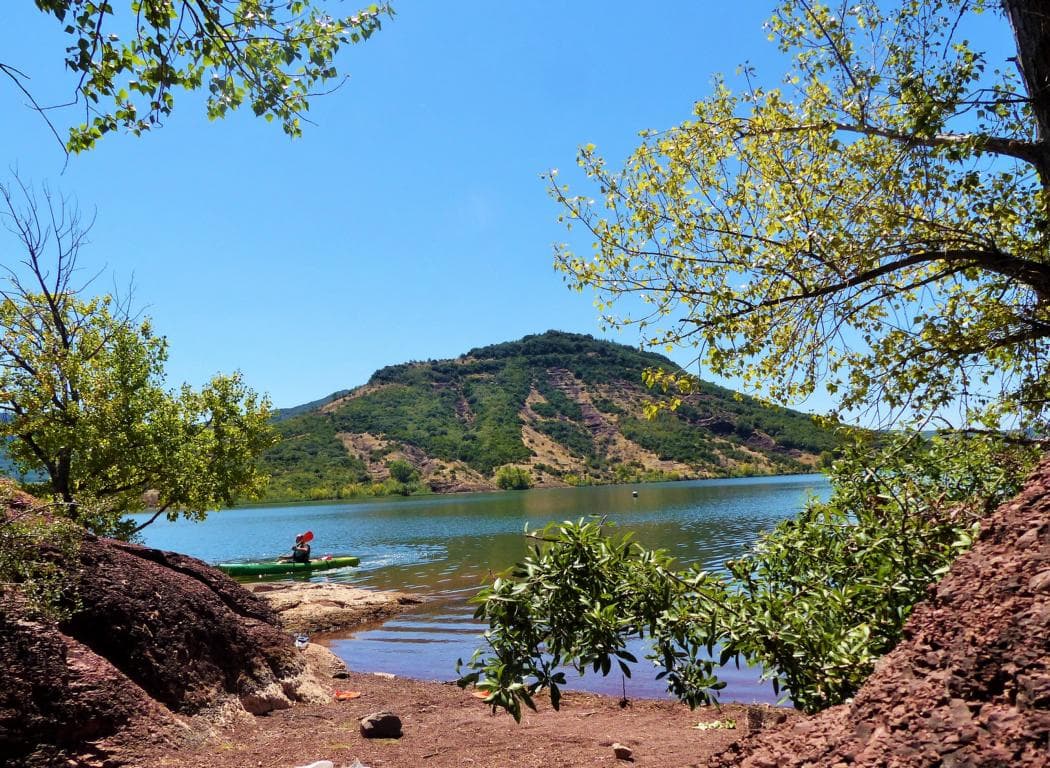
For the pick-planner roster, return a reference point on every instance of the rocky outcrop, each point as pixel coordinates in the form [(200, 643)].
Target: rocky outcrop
[(326, 607), (968, 685), (59, 695), (154, 636)]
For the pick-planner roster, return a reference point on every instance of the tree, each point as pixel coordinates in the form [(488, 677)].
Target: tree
[(402, 471), (81, 389), (127, 61), (879, 224), (512, 478)]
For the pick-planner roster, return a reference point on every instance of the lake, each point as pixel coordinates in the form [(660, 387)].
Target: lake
[(446, 546)]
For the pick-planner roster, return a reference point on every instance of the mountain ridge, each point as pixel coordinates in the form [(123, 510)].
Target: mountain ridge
[(557, 408)]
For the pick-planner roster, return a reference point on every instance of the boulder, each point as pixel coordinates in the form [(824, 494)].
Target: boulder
[(153, 636), (381, 725)]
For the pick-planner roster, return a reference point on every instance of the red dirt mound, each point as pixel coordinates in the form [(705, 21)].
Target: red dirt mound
[(968, 685), (154, 634)]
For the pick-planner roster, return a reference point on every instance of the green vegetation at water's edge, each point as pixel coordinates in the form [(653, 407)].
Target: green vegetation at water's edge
[(815, 602), (566, 408)]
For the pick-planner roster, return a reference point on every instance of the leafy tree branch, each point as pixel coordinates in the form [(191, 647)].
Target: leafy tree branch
[(82, 398), (891, 197), (130, 56)]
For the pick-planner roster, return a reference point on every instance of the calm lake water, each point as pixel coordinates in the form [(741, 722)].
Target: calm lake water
[(446, 546)]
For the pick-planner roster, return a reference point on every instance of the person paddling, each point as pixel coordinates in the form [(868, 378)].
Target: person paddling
[(300, 550)]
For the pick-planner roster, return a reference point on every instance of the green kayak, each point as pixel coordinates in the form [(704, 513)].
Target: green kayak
[(274, 567)]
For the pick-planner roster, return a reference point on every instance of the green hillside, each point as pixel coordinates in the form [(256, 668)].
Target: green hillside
[(565, 407)]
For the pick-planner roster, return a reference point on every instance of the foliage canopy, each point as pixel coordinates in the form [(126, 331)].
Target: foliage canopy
[(877, 224), (129, 56), (83, 401), (511, 478)]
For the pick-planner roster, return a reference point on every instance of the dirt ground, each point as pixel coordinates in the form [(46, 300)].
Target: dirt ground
[(444, 726)]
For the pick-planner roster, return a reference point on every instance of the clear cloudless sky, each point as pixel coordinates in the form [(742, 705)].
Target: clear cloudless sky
[(410, 221)]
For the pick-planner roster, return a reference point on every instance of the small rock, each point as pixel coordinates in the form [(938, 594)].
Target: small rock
[(319, 764), (1040, 583), (754, 718), (622, 752), (381, 725)]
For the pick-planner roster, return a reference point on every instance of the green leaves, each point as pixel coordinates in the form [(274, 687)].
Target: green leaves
[(509, 477), (825, 595), (33, 545), (575, 601), (790, 234), (87, 409), (271, 54), (814, 603)]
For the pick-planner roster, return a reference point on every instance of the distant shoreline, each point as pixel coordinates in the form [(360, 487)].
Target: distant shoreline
[(472, 491)]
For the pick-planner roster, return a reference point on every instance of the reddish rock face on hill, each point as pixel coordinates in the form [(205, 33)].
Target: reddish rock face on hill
[(969, 685), (157, 635)]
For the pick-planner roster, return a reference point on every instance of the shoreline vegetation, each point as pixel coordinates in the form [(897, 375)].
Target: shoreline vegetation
[(391, 491)]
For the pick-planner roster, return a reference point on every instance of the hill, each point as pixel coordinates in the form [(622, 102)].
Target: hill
[(566, 408)]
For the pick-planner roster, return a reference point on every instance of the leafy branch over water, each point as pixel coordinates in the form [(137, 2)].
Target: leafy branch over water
[(814, 603)]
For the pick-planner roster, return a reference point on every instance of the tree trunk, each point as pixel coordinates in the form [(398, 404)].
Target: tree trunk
[(1030, 20), (61, 482)]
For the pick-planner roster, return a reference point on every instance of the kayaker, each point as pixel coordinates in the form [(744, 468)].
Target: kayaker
[(300, 550)]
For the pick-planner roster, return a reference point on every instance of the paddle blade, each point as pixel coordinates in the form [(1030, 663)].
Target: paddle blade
[(308, 536)]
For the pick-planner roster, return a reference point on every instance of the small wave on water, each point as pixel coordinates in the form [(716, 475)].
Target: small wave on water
[(379, 557)]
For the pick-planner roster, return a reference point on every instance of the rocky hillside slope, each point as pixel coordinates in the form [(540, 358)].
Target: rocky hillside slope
[(970, 683), (153, 638), (566, 408)]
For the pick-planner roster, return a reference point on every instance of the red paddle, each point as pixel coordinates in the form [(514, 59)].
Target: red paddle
[(308, 536)]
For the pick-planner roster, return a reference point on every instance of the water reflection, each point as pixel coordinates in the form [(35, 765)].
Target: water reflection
[(446, 547)]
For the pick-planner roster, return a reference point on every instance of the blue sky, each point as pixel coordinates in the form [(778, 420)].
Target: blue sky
[(410, 222)]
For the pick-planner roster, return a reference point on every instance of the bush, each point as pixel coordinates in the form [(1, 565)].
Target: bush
[(402, 471), (825, 595), (815, 602), (511, 478), (33, 546)]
